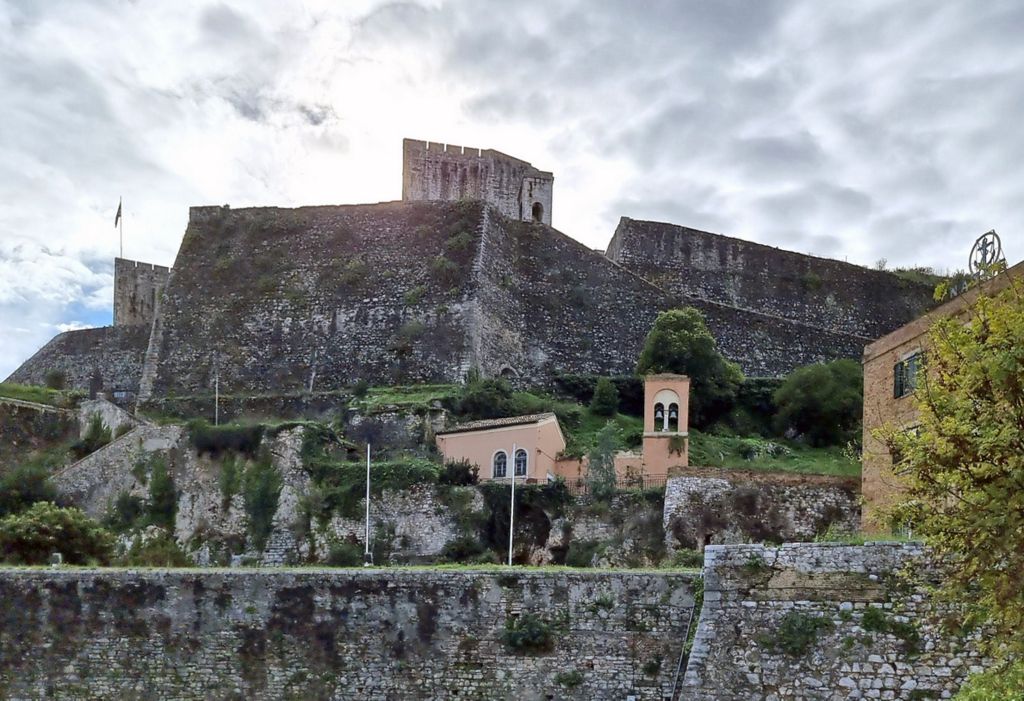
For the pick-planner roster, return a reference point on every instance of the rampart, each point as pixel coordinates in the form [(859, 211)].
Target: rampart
[(26, 426), (106, 359), (824, 621), (137, 287), (432, 171), (704, 506), (341, 634), (841, 297)]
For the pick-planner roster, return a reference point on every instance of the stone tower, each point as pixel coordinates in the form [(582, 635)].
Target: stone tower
[(433, 171)]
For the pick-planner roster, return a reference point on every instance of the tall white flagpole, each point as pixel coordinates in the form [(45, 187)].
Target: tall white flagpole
[(366, 554), (512, 507), (120, 221)]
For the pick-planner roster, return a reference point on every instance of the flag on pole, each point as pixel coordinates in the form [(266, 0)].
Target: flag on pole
[(117, 217)]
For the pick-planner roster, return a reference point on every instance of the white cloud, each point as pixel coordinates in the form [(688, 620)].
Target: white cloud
[(863, 131)]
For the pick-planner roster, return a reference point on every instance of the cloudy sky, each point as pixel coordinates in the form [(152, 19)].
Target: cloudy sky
[(858, 130)]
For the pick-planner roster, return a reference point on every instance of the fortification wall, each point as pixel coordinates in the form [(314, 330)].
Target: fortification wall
[(875, 630), (137, 287), (432, 171), (288, 300), (738, 506), (830, 294), (107, 359), (376, 634), (26, 426)]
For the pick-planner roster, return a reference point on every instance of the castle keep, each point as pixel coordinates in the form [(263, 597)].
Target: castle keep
[(464, 273)]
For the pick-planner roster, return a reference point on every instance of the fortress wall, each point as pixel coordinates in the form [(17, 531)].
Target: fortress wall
[(903, 651), (738, 506), (26, 426), (342, 634), (325, 296), (846, 298), (137, 287), (108, 359)]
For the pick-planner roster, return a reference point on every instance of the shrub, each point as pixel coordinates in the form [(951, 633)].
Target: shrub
[(344, 553), (55, 379), (876, 620), (1002, 682), (30, 537), (96, 436), (688, 558), (214, 440), (606, 398), (679, 342), (163, 499), (230, 479), (343, 485), (569, 679), (823, 402), (796, 633), (125, 513), (487, 399), (601, 478), (162, 551), (581, 552), (464, 549), (24, 486), (444, 270), (459, 473), (360, 389), (528, 633), (261, 488), (414, 295)]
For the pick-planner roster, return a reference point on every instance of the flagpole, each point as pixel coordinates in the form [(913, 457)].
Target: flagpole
[(512, 507), (121, 223)]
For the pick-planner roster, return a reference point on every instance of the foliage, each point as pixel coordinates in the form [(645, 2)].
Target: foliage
[(679, 342), (343, 553), (606, 398), (822, 402), (230, 479), (31, 536), (581, 553), (24, 486), (96, 436), (161, 551), (963, 465), (34, 393), (726, 450), (459, 473), (582, 388), (569, 680), (796, 633), (343, 484), (261, 488), (466, 549), (55, 379), (536, 506), (876, 620), (444, 270), (528, 633), (414, 295), (360, 388), (214, 440), (488, 398), (687, 558), (125, 513), (163, 499), (1003, 682), (601, 470)]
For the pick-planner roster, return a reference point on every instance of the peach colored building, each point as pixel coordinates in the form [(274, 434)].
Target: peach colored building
[(528, 444), (891, 365), (666, 439)]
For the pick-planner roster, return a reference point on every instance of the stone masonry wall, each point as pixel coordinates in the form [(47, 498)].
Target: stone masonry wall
[(824, 293), (341, 634), (878, 635), (137, 287), (736, 506), (27, 426), (432, 171), (106, 359)]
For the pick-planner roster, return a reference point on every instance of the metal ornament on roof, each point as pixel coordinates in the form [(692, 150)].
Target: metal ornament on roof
[(986, 255)]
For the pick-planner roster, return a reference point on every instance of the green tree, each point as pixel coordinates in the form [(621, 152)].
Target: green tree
[(261, 488), (823, 402), (1005, 682), (601, 468), (606, 398), (24, 486), (163, 498), (30, 537), (679, 342), (963, 463)]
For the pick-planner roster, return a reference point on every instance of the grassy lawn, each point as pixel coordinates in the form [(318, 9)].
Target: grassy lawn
[(405, 397), (32, 393), (713, 450)]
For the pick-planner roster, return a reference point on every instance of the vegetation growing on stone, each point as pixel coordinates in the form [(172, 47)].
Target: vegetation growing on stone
[(601, 478), (528, 634), (32, 536), (24, 486), (214, 440), (261, 488), (95, 437), (797, 632), (163, 497)]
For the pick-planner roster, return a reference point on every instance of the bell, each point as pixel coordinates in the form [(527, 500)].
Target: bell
[(659, 413), (673, 414)]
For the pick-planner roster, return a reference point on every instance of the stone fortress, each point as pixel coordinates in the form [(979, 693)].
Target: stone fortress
[(464, 273)]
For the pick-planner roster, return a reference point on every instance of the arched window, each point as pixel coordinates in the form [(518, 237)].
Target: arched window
[(659, 417), (673, 417), (500, 464), (520, 463), (538, 212)]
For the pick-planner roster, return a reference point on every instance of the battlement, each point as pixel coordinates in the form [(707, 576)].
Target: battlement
[(436, 171), (137, 287)]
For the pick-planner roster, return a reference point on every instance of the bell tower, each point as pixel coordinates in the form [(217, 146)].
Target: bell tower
[(666, 422)]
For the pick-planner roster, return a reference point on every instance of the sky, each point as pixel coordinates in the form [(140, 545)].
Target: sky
[(867, 130)]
